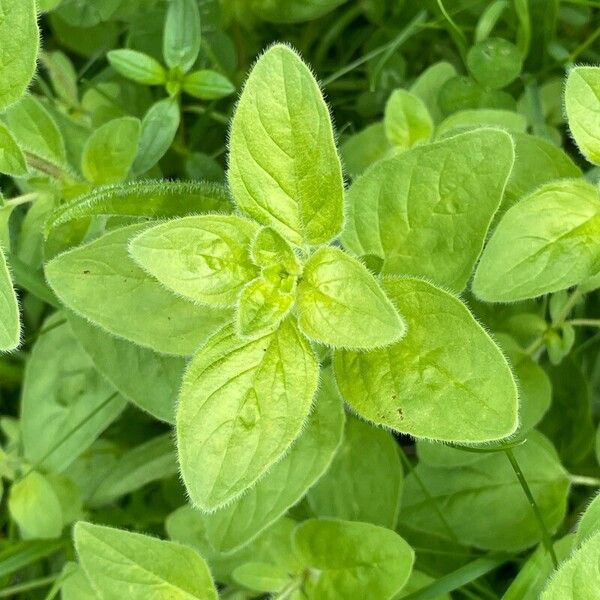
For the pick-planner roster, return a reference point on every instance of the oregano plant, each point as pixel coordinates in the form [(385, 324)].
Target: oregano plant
[(299, 300)]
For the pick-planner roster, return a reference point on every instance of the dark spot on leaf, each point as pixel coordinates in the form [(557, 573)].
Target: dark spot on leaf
[(86, 272)]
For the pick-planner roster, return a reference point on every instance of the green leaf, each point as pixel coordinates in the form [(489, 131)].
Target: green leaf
[(66, 403), (242, 404), (145, 567), (293, 11), (156, 199), (10, 325), (99, 281), (137, 66), (341, 304), (62, 76), (582, 103), (270, 249), (159, 127), (153, 460), (427, 211), (445, 380), (207, 85), (361, 150), (12, 159), (352, 489), (494, 62), (27, 496), (75, 585), (577, 578), (262, 577), (19, 45), (428, 85), (542, 244), (273, 176), (589, 524), (35, 130), (148, 379), (110, 151), (284, 484), (182, 35), (21, 554), (470, 494), (464, 120), (407, 121), (204, 258), (349, 560)]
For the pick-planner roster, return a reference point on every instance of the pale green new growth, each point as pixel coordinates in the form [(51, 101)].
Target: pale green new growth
[(120, 564), (99, 281), (582, 103), (545, 243), (427, 211), (407, 120), (351, 559), (269, 249), (283, 165), (342, 305), (203, 258), (19, 45), (137, 66), (207, 85), (110, 151), (182, 35), (10, 323), (12, 159), (241, 406), (445, 380)]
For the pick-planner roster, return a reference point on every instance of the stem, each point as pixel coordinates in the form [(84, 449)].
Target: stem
[(29, 585), (335, 31), (462, 40), (288, 590), (413, 27), (585, 322), (538, 122), (24, 199), (584, 480), (568, 307), (534, 346), (430, 499), (546, 539), (202, 110), (45, 166)]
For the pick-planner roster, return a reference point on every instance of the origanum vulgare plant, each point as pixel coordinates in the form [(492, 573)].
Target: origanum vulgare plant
[(245, 355)]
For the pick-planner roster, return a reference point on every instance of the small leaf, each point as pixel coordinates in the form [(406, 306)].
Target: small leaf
[(269, 249), (207, 85), (242, 404), (116, 560), (12, 159), (110, 151), (101, 282), (349, 560), (464, 120), (341, 304), (19, 48), (204, 258), (284, 170), (445, 380), (582, 102), (137, 66), (182, 35), (159, 127), (494, 62), (427, 211), (26, 497), (10, 324), (407, 120), (545, 243), (429, 83)]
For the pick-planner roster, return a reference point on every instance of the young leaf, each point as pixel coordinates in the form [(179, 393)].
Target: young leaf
[(284, 484), (10, 324), (12, 159), (349, 560), (182, 35), (99, 281), (269, 249), (427, 211), (463, 120), (486, 486), (148, 379), (407, 120), (27, 496), (137, 66), (341, 304), (582, 103), (494, 62), (284, 170), (62, 76), (19, 45), (364, 148), (110, 151), (159, 127), (352, 488), (545, 243), (577, 578), (445, 380), (116, 560), (204, 258), (66, 403), (207, 85), (428, 85), (241, 406)]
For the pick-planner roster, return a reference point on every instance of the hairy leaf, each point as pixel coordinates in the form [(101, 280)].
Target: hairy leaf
[(10, 324), (12, 159), (407, 120)]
